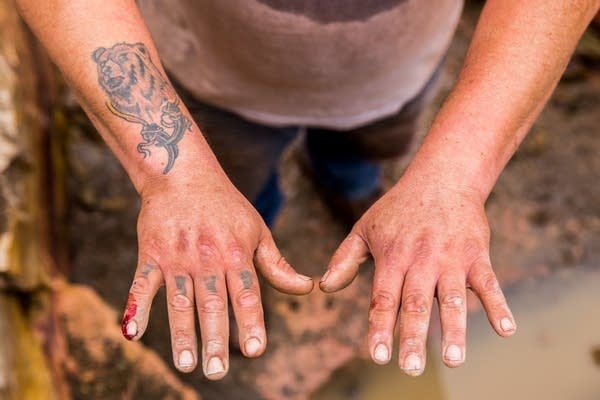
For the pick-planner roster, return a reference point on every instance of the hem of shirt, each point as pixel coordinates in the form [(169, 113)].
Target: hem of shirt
[(340, 123)]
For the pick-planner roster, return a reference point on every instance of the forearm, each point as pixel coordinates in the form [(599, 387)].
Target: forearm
[(517, 55), (137, 113)]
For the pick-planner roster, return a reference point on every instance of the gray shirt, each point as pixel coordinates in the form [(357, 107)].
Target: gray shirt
[(332, 63)]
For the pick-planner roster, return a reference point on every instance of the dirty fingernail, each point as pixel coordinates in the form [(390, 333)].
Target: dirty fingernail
[(304, 277), (412, 364), (186, 359), (453, 353), (507, 325), (252, 346), (381, 353), (214, 366), (324, 278)]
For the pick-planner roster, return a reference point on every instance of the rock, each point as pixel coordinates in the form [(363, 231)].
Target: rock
[(98, 363)]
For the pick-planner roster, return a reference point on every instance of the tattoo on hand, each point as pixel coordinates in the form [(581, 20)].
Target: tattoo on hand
[(210, 283), (246, 277), (180, 283), (139, 93), (147, 268)]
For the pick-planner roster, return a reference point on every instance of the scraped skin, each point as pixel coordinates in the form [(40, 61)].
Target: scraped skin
[(197, 235), (429, 234)]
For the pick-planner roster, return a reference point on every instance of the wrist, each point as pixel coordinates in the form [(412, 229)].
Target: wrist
[(193, 164), (453, 166)]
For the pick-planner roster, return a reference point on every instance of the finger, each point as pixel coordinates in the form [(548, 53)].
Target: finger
[(484, 283), (276, 269), (146, 282), (211, 300), (415, 312), (451, 292), (180, 308), (383, 312), (344, 263), (242, 284)]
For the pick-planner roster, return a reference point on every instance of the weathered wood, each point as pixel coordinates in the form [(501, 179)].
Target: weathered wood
[(22, 239), (23, 370), (25, 259)]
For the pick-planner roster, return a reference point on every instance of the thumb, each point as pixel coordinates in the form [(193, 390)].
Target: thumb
[(344, 264), (277, 271)]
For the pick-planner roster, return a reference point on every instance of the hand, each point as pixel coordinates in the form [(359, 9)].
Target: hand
[(202, 240), (426, 238)]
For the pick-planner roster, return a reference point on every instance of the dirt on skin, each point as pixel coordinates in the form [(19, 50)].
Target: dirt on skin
[(544, 214)]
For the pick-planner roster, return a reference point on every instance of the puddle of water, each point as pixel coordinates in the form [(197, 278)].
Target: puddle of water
[(554, 356)]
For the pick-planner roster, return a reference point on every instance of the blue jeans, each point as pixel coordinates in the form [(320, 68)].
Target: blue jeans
[(352, 179)]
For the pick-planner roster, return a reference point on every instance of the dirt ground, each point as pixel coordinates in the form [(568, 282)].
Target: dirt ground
[(544, 214)]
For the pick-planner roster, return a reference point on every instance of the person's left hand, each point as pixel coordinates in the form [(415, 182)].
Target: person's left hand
[(427, 238)]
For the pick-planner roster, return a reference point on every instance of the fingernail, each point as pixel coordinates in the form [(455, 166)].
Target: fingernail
[(186, 359), (214, 366), (252, 346), (131, 329), (507, 325), (304, 277), (453, 353), (381, 353), (412, 364), (324, 278)]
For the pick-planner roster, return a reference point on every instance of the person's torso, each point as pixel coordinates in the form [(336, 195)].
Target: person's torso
[(334, 63)]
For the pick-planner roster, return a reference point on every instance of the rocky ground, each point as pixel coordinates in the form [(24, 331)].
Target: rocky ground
[(544, 214)]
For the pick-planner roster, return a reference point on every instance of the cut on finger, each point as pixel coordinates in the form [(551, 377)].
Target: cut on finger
[(146, 282)]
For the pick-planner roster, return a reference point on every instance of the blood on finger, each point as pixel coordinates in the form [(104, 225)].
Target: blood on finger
[(130, 312)]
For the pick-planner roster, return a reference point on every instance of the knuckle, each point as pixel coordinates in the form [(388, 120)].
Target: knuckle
[(213, 305), (214, 346), (182, 339), (392, 252), (415, 303), (282, 264), (383, 301), (247, 298), (182, 243), (378, 321), (453, 301), (236, 254), (423, 249), (206, 248), (453, 334), (489, 284), (412, 342), (280, 270), (181, 303), (140, 286), (415, 327)]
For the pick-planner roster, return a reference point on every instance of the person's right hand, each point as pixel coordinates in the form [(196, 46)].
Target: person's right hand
[(202, 239)]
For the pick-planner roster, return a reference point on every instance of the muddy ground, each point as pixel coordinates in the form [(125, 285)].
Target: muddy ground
[(544, 214)]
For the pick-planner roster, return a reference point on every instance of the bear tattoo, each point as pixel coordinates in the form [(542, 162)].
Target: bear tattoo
[(139, 93)]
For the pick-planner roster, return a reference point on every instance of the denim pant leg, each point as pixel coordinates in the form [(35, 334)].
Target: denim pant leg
[(248, 152)]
